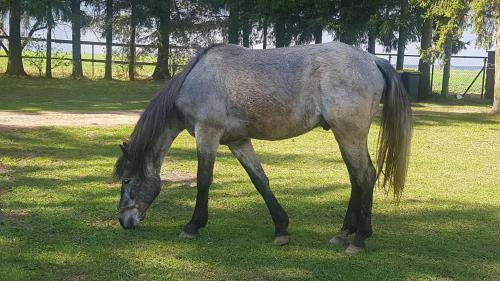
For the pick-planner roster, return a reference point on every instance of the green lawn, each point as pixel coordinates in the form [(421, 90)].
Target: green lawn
[(58, 219), (460, 80), (74, 95)]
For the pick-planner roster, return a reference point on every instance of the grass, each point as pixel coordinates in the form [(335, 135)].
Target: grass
[(59, 216), (34, 95), (460, 80)]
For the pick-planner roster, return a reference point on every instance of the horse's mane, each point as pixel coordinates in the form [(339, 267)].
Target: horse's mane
[(152, 123)]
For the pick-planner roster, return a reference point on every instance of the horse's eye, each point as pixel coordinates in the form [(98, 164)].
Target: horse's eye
[(126, 181)]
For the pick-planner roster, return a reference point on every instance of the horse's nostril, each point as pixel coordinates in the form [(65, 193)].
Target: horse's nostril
[(130, 223)]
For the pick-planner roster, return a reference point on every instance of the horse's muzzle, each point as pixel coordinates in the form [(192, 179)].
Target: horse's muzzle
[(129, 218)]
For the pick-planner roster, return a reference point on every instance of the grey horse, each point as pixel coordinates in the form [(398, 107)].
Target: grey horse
[(229, 95)]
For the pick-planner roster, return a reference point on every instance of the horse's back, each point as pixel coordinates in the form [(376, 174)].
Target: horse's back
[(278, 93)]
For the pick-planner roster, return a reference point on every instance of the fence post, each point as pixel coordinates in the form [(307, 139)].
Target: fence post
[(490, 76), (485, 65), (92, 60), (432, 78)]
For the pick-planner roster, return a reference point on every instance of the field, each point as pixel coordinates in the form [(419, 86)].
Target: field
[(58, 200)]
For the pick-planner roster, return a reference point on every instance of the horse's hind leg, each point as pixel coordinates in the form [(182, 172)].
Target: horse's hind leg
[(207, 142), (244, 152), (354, 149)]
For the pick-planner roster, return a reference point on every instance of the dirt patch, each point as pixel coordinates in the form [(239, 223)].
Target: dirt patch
[(6, 179), (77, 277), (16, 215), (178, 177), (15, 119), (3, 169)]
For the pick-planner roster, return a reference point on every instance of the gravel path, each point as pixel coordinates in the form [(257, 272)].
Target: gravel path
[(66, 119)]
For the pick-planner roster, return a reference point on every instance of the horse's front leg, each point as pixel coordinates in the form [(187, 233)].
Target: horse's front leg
[(207, 141)]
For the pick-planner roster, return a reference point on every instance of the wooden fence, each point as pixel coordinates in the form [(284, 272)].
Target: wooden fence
[(93, 44)]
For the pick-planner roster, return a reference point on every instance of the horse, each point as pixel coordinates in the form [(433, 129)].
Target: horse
[(229, 95)]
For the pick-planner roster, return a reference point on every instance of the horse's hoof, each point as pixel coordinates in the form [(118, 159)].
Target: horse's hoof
[(340, 241), (187, 236), (354, 250), (282, 240)]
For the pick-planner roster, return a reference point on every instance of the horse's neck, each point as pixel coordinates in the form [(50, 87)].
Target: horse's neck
[(155, 161)]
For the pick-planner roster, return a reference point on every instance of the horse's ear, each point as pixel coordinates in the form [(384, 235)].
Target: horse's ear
[(124, 150)]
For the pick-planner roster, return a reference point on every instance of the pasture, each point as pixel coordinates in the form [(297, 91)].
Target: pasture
[(58, 200)]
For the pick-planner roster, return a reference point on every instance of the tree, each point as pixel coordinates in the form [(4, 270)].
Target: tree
[(15, 61), (233, 33), (403, 6), (161, 10), (49, 11), (424, 63), (133, 30), (48, 53), (108, 69), (76, 46), (448, 47), (451, 19), (42, 14), (382, 24), (485, 23)]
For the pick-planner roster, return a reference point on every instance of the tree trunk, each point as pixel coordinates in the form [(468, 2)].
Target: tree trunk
[(371, 43), (48, 53), (282, 38), (15, 63), (161, 71), (446, 69), (133, 27), (233, 35), (246, 30), (108, 68), (76, 22), (424, 66), (402, 35), (318, 35), (496, 99), (264, 35)]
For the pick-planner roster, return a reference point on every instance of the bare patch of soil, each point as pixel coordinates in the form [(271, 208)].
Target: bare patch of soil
[(15, 119), (178, 177)]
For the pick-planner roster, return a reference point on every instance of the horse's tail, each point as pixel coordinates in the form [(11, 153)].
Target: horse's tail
[(395, 133), (153, 121)]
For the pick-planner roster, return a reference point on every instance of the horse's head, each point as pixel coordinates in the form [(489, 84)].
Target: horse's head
[(137, 193)]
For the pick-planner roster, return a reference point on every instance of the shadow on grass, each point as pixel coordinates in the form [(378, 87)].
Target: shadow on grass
[(61, 143), (432, 118)]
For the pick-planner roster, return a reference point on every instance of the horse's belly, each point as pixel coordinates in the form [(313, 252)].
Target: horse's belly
[(271, 127), (274, 116)]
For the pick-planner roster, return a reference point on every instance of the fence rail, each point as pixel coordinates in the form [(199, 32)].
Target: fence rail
[(97, 43)]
